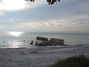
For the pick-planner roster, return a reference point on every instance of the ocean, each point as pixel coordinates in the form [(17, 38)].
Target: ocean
[(25, 39)]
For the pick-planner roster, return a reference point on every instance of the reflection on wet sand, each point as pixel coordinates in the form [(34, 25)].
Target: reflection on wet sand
[(16, 44)]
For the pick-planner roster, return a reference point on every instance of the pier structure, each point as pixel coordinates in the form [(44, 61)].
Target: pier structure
[(43, 41)]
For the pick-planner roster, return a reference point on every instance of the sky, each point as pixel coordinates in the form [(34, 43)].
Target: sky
[(70, 16)]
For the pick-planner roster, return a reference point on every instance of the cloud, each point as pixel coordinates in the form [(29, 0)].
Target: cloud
[(1, 1), (41, 11), (10, 21), (68, 15), (11, 5), (16, 5), (1, 13), (69, 24), (58, 25)]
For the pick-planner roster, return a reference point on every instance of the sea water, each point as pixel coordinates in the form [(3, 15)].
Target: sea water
[(25, 39)]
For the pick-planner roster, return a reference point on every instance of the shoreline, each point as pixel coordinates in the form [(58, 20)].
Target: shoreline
[(38, 56)]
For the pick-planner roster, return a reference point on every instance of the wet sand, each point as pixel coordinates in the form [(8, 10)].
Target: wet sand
[(39, 56)]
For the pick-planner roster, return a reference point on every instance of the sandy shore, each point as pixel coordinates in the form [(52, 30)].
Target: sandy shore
[(39, 56)]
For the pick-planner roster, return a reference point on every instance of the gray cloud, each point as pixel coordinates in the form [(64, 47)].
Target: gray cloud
[(1, 1), (67, 16)]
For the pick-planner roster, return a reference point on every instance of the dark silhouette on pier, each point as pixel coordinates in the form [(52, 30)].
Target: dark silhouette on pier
[(31, 42)]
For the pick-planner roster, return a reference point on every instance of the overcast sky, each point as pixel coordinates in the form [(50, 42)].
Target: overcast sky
[(65, 16)]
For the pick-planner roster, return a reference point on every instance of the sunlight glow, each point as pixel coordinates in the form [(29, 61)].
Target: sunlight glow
[(10, 5), (14, 33), (13, 5)]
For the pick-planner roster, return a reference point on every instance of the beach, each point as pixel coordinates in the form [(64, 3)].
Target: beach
[(39, 33), (39, 56)]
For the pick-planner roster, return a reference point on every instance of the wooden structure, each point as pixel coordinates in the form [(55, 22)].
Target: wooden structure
[(54, 41), (42, 38), (43, 41)]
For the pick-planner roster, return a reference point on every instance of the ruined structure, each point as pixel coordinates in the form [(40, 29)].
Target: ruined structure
[(43, 41)]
